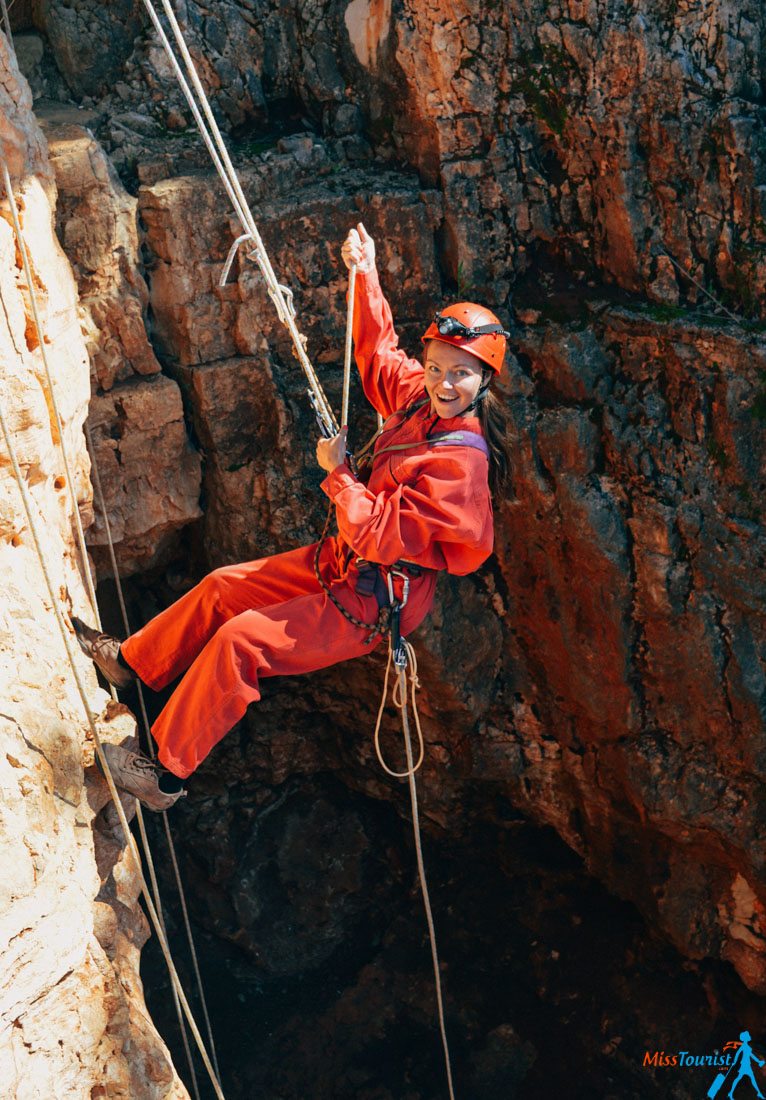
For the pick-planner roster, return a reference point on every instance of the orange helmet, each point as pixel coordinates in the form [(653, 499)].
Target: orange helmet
[(473, 327)]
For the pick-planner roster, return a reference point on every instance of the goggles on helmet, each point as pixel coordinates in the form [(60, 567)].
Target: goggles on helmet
[(450, 326)]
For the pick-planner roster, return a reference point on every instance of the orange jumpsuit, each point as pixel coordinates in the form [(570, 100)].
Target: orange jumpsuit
[(270, 617)]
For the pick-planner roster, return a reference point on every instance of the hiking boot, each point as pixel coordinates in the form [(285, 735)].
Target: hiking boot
[(140, 777), (103, 650)]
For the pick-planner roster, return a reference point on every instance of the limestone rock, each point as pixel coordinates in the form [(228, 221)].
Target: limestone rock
[(22, 145), (96, 223), (72, 1019), (150, 473)]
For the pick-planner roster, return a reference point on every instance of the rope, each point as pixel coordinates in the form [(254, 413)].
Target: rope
[(380, 626), (216, 146), (7, 26), (698, 284), (89, 581), (161, 915), (150, 742), (130, 841), (400, 700), (349, 346)]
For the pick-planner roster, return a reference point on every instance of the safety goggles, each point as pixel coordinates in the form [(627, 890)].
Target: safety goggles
[(450, 326)]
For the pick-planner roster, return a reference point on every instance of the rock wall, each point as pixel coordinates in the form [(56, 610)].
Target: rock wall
[(611, 134), (620, 645), (72, 1018), (603, 165)]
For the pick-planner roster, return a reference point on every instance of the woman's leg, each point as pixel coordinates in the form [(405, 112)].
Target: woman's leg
[(301, 635), (168, 644)]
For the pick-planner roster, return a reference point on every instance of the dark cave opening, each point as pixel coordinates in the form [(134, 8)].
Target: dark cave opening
[(552, 986)]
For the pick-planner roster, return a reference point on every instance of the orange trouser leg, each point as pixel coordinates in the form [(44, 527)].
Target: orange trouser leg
[(301, 635), (167, 645), (231, 646)]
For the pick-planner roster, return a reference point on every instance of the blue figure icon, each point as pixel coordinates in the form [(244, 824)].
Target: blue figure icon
[(746, 1056)]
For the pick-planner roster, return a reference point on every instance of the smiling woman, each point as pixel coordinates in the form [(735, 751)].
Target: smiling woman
[(452, 379), (424, 507)]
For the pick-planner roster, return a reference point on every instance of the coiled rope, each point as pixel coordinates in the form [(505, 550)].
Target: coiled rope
[(155, 908)]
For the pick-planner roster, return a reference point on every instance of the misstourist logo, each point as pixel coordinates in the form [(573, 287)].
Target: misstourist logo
[(734, 1063)]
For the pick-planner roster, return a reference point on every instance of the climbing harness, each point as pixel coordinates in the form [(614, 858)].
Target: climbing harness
[(153, 906)]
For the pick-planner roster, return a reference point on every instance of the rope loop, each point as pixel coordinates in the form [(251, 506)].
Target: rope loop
[(399, 700)]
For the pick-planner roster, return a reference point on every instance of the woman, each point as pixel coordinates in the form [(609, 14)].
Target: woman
[(426, 507)]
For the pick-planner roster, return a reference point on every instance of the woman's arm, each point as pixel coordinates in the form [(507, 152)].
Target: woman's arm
[(442, 518), (389, 377)]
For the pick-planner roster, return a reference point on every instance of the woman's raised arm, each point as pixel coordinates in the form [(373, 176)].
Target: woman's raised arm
[(389, 377)]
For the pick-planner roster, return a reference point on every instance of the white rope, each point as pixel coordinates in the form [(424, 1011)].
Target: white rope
[(400, 700), (216, 146), (349, 346), (86, 564), (129, 840), (161, 915), (150, 742), (7, 26)]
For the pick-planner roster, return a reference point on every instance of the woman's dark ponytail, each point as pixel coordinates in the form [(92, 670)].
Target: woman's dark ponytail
[(495, 425)]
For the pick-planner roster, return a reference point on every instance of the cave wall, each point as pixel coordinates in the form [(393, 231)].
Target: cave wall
[(72, 1017), (613, 134), (604, 672)]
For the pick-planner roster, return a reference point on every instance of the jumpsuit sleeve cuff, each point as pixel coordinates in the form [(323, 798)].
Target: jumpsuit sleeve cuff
[(340, 478), (368, 282), (371, 278)]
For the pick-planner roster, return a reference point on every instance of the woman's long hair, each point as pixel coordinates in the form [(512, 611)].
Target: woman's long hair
[(495, 425)]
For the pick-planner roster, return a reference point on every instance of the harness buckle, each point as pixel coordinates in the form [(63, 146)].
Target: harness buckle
[(394, 572)]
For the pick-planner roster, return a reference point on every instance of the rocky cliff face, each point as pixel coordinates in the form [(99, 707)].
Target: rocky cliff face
[(603, 675), (72, 1018)]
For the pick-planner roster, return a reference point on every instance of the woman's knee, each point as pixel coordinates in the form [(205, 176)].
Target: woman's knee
[(215, 584)]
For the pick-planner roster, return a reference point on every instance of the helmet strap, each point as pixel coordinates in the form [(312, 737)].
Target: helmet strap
[(486, 382)]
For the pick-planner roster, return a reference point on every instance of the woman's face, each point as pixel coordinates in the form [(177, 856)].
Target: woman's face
[(452, 376)]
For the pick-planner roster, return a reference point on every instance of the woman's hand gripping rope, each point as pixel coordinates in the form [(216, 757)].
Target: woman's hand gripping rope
[(358, 250), (331, 452)]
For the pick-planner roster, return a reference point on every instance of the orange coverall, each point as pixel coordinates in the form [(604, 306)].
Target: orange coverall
[(270, 617)]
